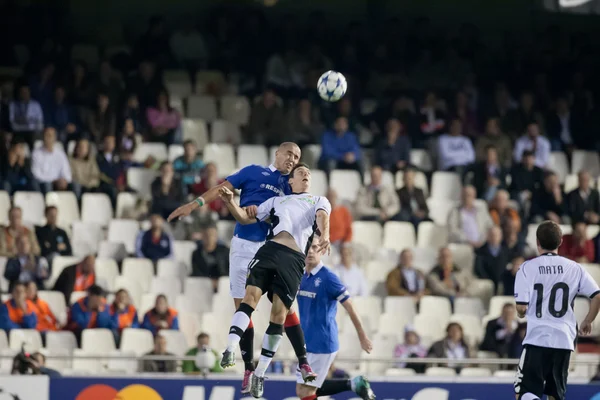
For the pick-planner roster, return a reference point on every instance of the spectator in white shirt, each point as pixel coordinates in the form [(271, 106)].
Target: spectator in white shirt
[(455, 151), (50, 165), (470, 221), (26, 116), (351, 275), (532, 141)]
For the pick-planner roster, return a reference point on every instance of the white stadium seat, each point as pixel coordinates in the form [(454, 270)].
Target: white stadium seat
[(158, 151), (311, 154), (122, 362), (114, 250), (571, 183), (203, 107), (471, 325), (272, 153), (435, 306), (107, 269), (392, 323), (369, 308), (61, 340), (235, 109), (146, 304), (140, 180), (446, 186), (86, 238), (58, 264), (96, 207), (85, 362), (3, 281), (138, 341), (223, 157), (4, 207), (400, 372), (440, 371), (559, 164), (225, 132), (420, 181), (225, 230), (585, 160), (318, 184), (400, 305), (421, 159), (176, 342), (189, 324), (439, 209), (251, 154), (190, 303), (76, 296), (196, 130), (463, 256), (97, 340), (169, 286), (166, 267), (425, 258), (3, 340), (387, 179), (469, 306), (399, 235), (593, 270), (369, 234), (124, 231), (200, 289), (431, 235), (175, 151), (132, 286), (475, 372), (126, 203), (346, 183), (377, 270), (430, 327), (31, 338), (183, 250), (383, 347), (66, 205), (140, 270), (496, 304), (56, 302), (32, 204)]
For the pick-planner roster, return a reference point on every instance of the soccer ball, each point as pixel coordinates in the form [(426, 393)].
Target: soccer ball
[(332, 86)]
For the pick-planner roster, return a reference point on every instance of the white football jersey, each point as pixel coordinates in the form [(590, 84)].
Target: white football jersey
[(295, 214), (548, 285)]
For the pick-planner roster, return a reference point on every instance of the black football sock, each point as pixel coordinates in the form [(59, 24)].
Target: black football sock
[(334, 386), (247, 348), (296, 338)]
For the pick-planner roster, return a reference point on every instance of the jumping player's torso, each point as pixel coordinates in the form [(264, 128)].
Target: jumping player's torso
[(548, 285), (257, 184), (294, 214), (320, 291)]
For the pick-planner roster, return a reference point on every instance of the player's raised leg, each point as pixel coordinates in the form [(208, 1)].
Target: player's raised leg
[(294, 332)]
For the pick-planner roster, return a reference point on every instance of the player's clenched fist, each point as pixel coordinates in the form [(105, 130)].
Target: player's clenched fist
[(225, 194)]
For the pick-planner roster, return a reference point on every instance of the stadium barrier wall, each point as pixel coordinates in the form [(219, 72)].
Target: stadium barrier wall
[(227, 388)]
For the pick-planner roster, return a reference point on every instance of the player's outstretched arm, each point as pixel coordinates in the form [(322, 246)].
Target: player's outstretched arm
[(586, 324), (238, 213), (209, 196), (365, 342), (323, 226)]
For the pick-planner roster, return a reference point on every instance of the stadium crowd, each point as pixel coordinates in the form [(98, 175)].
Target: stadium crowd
[(438, 163)]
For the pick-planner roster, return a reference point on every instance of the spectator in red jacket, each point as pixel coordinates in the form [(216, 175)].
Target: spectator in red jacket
[(577, 246)]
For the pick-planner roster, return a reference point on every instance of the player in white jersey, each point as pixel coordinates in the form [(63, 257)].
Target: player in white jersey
[(278, 265), (545, 289)]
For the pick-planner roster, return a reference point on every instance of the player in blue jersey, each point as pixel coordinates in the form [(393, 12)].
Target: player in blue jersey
[(320, 291), (257, 184)]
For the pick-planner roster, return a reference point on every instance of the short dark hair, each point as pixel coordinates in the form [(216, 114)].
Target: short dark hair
[(95, 290), (202, 335), (490, 147), (48, 208), (549, 235), (16, 284), (528, 153), (299, 165)]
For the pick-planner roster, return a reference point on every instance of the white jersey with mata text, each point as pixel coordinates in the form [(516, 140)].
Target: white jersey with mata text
[(547, 285), (295, 214)]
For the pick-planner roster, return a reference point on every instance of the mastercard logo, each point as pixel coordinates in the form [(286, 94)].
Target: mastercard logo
[(131, 392)]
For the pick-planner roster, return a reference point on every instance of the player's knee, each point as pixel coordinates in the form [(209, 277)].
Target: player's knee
[(303, 391), (252, 296)]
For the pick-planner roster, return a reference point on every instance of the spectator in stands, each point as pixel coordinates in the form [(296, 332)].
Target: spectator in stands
[(10, 233), (130, 137), (145, 85), (25, 266), (509, 275), (470, 221), (122, 312), (163, 120), (549, 202), (577, 246), (455, 151), (453, 346), (108, 82), (84, 168), (377, 201), (534, 142), (351, 274), (132, 112), (305, 126), (466, 115), (108, 164), (77, 278), (340, 221), (62, 116), (405, 280), (411, 348), (18, 312), (167, 191), (211, 258), (517, 119), (446, 279), (42, 84), (189, 48), (37, 366), (26, 116), (16, 171), (489, 176), (160, 349), (267, 120), (50, 165), (101, 121), (161, 316), (584, 202), (46, 320), (515, 347), (564, 128), (499, 332), (340, 148), (413, 206), (90, 312), (433, 118), (393, 152), (189, 166), (79, 87), (154, 243), (501, 212), (203, 345), (52, 239), (513, 239), (526, 179), (496, 138), (492, 258)]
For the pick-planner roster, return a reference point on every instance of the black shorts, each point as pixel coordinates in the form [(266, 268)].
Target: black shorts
[(543, 370), (277, 269)]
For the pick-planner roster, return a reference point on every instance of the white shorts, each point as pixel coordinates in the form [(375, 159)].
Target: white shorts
[(240, 254), (320, 364)]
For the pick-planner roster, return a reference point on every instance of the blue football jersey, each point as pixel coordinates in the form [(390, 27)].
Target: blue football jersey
[(257, 185), (319, 293)]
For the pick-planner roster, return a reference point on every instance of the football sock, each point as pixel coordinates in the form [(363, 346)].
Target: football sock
[(247, 347), (239, 324), (529, 396), (334, 386), (294, 332), (271, 341)]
